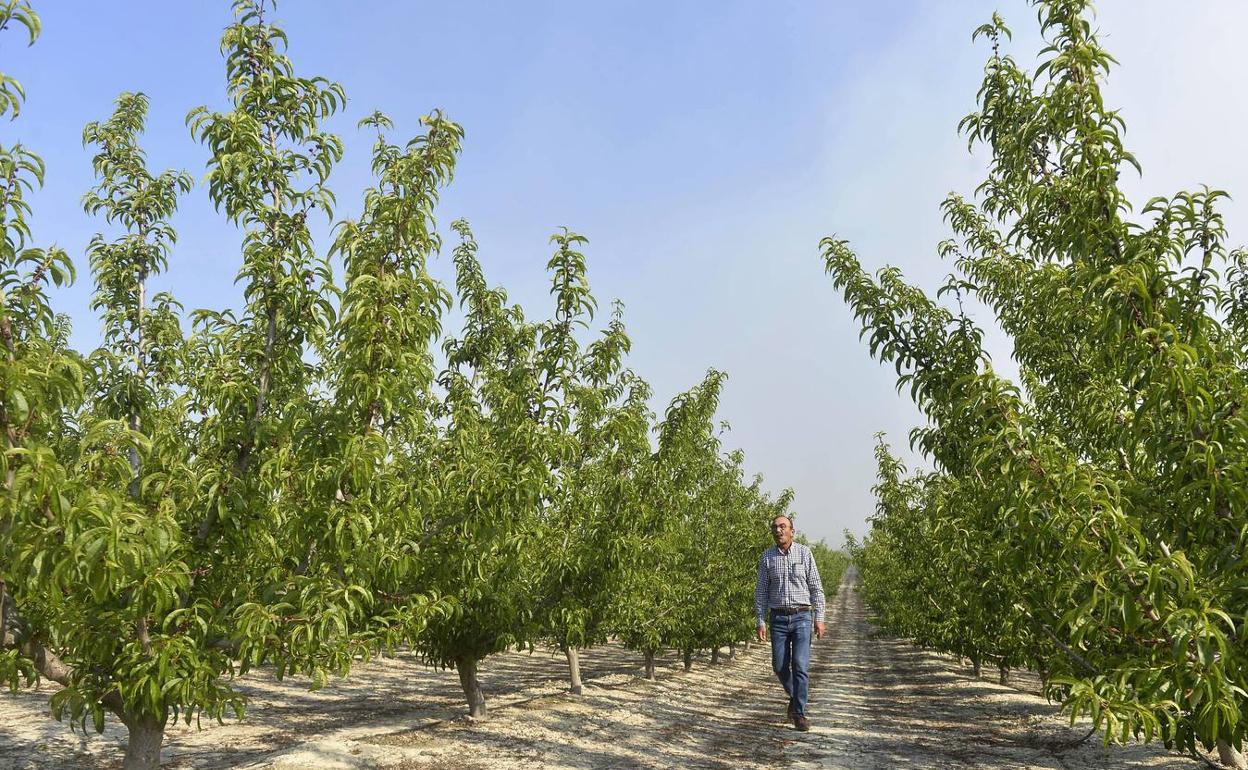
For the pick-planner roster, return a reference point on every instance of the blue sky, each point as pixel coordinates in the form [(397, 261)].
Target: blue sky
[(703, 147)]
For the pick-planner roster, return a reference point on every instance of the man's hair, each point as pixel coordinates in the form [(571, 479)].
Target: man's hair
[(783, 516)]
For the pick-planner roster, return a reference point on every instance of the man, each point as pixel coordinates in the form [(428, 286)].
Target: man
[(789, 590)]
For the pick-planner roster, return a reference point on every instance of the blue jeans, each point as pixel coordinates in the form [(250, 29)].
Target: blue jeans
[(790, 655)]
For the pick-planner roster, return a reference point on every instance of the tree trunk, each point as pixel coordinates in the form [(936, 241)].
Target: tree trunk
[(467, 667), (1230, 757), (574, 669), (714, 656), (688, 659), (143, 749), (747, 645), (650, 666), (975, 666), (732, 651), (1004, 674)]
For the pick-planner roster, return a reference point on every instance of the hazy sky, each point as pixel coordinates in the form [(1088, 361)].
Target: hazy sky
[(703, 147)]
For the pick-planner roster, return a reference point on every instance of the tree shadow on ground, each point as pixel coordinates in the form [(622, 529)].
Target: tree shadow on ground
[(385, 694)]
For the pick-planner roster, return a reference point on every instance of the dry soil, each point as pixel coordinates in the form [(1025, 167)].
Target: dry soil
[(876, 703)]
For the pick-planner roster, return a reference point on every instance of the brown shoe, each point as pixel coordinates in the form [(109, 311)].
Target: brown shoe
[(801, 723), (790, 712)]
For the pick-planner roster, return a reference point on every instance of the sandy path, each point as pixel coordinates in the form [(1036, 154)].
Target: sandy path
[(876, 703)]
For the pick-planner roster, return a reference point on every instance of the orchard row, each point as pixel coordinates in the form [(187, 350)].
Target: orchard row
[(325, 473), (1090, 522)]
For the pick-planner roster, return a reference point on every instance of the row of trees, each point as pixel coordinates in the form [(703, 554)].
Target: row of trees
[(310, 479), (1091, 521)]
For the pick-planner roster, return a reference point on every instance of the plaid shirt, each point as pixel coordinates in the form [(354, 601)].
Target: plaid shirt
[(788, 580)]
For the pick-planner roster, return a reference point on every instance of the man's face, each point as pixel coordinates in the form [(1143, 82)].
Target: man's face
[(782, 532)]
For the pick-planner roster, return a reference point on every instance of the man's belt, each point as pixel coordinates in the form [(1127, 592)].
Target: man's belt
[(790, 610)]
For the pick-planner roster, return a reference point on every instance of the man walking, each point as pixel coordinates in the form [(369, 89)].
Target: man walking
[(788, 590)]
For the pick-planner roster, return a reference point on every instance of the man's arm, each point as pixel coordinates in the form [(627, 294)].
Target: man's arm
[(818, 603)]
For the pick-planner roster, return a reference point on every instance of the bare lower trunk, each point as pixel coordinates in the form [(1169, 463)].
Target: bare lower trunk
[(574, 669), (732, 651), (1230, 757), (747, 645), (143, 749), (714, 656), (650, 666), (467, 667), (975, 667), (1004, 674), (688, 659)]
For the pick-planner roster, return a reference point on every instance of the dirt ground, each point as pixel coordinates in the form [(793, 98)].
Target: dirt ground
[(875, 703)]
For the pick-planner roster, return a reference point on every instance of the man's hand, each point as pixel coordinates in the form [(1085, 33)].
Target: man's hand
[(821, 628), (762, 633)]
